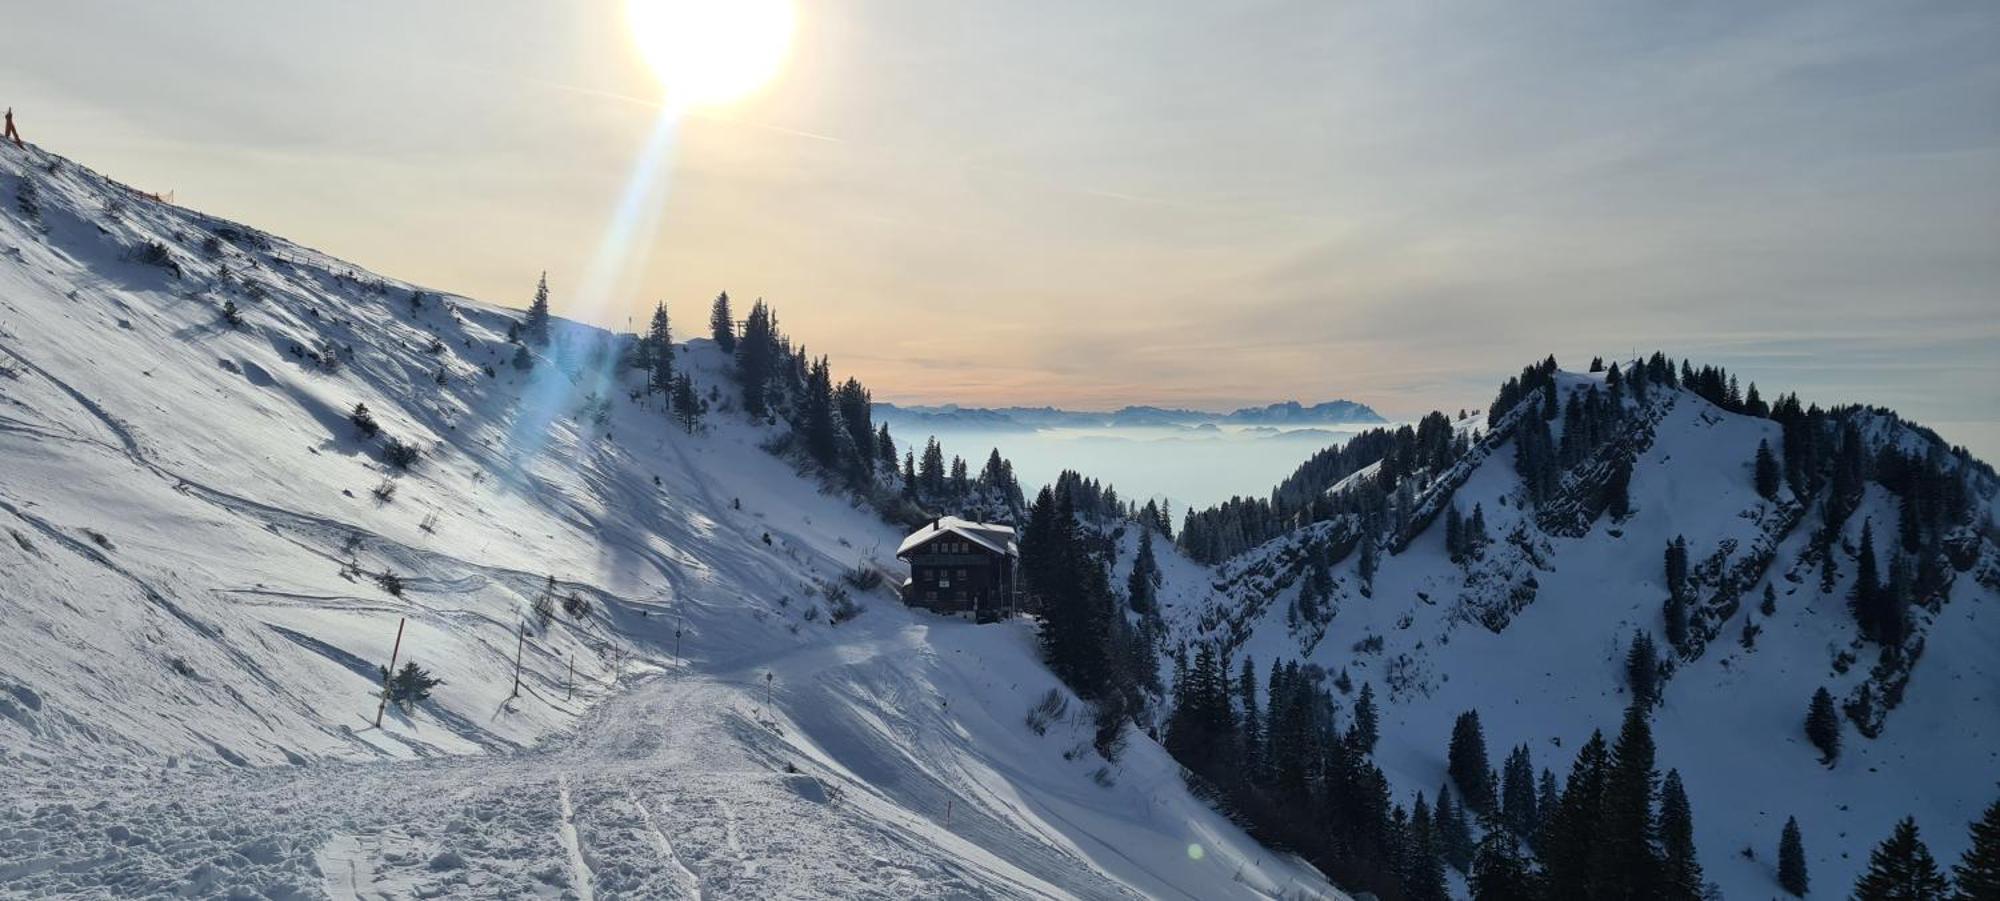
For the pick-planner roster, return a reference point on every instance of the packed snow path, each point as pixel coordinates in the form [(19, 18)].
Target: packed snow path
[(673, 789)]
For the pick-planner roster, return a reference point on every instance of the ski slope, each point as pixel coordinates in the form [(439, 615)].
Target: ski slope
[(194, 564)]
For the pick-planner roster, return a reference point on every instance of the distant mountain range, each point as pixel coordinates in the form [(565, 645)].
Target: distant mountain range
[(952, 417)]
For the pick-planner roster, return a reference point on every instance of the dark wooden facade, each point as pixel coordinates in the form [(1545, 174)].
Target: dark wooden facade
[(962, 568)]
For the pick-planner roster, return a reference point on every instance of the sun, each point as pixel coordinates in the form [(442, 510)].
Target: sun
[(711, 52)]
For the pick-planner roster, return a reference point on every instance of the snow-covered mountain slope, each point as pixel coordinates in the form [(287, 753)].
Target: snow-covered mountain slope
[(205, 562), (1533, 634)]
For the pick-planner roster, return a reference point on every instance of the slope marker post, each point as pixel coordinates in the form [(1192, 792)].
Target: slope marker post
[(520, 643), (390, 673)]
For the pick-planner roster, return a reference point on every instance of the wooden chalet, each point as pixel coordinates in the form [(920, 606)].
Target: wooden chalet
[(961, 566)]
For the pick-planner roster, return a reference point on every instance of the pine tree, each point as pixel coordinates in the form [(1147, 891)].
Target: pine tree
[(1468, 763), (1367, 722), (1570, 834), (1823, 726), (1682, 872), (1770, 603), (522, 360), (659, 345), (1252, 730), (412, 684), (722, 324), (885, 449), (1426, 881), (757, 359), (1901, 869), (1766, 472), (536, 328), (1500, 872), (1866, 599), (1625, 863), (1642, 669), (1792, 859), (1978, 872), (1517, 792), (1143, 584), (688, 405), (1454, 833)]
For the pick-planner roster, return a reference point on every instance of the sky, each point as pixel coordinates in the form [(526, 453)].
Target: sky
[(1091, 204)]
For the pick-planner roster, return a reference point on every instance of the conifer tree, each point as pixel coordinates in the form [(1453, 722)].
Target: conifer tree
[(1792, 860), (1625, 863), (1570, 835), (1252, 729), (885, 448), (1517, 792), (1866, 599), (1143, 584), (1766, 472), (757, 359), (1642, 668), (659, 346), (722, 324), (1500, 872), (1978, 872), (1769, 605), (1823, 726), (1426, 881), (536, 328), (1454, 833), (1468, 763), (1902, 869), (1367, 725), (1682, 873), (688, 405)]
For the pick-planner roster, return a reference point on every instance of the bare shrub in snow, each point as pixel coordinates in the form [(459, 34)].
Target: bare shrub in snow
[(385, 492), (400, 454), (390, 582), (364, 421), (1052, 707), (864, 577), (576, 605), (153, 253), (840, 605)]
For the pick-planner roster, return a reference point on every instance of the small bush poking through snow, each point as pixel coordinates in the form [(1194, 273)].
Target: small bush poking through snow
[(390, 582), (400, 454), (364, 421), (840, 605), (576, 605), (1052, 707), (385, 492), (411, 684), (864, 577)]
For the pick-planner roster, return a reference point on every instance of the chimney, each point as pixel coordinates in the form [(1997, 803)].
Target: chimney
[(934, 523)]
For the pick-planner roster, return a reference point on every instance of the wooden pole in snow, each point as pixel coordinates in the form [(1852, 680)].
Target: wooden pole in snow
[(390, 673), (571, 678), (519, 644)]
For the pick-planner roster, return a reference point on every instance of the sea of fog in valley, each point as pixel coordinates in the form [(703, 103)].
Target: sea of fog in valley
[(1184, 465)]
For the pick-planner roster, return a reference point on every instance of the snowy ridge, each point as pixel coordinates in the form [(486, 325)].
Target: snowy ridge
[(206, 562), (1532, 633)]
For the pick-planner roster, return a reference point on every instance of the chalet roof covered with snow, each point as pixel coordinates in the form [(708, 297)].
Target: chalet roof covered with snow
[(996, 538)]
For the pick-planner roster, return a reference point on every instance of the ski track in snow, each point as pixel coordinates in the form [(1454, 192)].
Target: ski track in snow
[(194, 561)]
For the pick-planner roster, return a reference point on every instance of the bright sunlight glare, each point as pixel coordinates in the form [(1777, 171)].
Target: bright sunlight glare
[(711, 52)]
